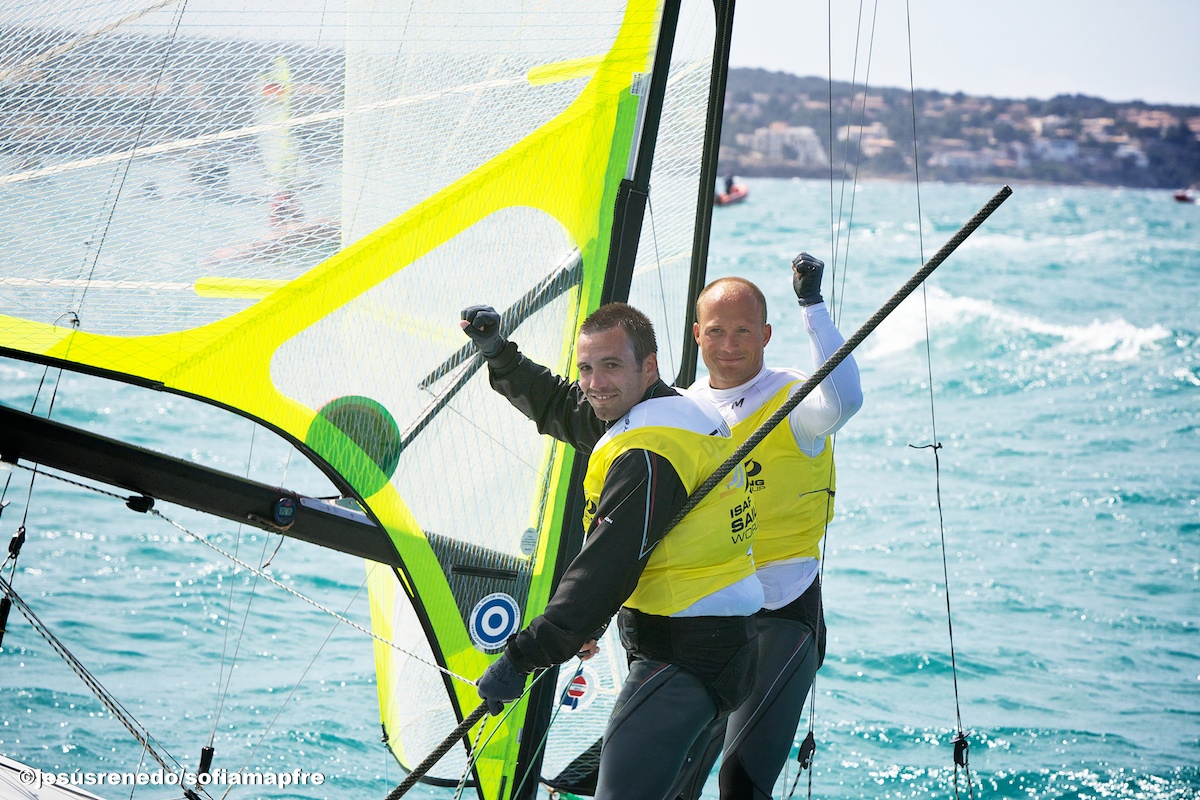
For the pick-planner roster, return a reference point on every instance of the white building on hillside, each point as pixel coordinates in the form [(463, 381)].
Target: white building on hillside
[(782, 142)]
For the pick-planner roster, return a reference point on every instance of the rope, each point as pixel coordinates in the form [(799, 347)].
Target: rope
[(465, 780), (255, 571), (460, 732), (961, 746), (223, 681), (419, 771), (840, 355), (135, 728)]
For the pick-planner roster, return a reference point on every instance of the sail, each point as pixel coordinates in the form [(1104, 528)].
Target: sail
[(282, 213)]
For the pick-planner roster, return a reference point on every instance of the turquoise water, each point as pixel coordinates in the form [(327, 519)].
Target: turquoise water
[(1063, 355)]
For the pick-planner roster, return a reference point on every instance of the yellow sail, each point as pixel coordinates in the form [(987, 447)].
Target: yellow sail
[(433, 156)]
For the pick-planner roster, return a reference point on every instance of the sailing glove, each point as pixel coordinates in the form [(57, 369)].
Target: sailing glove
[(501, 683), (806, 279), (484, 329)]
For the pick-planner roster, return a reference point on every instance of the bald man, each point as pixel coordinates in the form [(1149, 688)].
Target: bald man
[(791, 477)]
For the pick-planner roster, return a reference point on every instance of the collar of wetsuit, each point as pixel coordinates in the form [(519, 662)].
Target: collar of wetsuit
[(657, 389)]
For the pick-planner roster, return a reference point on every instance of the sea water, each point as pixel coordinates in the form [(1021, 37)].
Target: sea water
[(1053, 537)]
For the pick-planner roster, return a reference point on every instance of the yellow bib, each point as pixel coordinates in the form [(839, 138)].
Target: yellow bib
[(794, 493), (709, 549)]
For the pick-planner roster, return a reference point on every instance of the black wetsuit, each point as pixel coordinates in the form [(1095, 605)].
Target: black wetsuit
[(687, 673)]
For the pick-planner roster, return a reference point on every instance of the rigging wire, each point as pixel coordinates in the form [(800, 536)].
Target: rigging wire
[(18, 540), (562, 698), (805, 753), (960, 739), (662, 289), (262, 574), (310, 601), (120, 179), (845, 160), (295, 686), (106, 698), (225, 681), (140, 764), (862, 119), (74, 319), (961, 745), (458, 733), (282, 482), (466, 776), (833, 243)]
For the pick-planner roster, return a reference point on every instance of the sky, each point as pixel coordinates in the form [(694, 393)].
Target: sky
[(1132, 50)]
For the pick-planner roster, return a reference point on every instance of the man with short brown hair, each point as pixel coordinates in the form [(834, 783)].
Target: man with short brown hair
[(686, 597)]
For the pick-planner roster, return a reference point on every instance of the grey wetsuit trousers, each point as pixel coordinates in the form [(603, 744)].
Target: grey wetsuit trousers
[(759, 734), (685, 675), (660, 714), (758, 737)]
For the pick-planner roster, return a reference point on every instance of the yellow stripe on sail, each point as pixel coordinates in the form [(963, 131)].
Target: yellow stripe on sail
[(561, 71), (239, 288)]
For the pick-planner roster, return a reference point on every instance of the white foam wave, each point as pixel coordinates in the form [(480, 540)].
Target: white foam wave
[(905, 328)]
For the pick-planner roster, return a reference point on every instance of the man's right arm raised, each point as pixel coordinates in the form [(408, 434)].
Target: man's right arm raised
[(555, 405)]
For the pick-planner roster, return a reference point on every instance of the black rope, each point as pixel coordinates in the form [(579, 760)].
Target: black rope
[(419, 771), (840, 355)]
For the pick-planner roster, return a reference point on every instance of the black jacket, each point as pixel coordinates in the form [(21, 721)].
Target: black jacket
[(622, 535)]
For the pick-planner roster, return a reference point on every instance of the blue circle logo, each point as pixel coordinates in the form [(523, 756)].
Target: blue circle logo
[(493, 620)]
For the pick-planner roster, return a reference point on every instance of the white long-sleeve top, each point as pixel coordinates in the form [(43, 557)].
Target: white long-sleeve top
[(821, 414)]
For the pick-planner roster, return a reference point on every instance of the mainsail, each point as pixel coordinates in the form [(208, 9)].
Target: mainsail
[(433, 155)]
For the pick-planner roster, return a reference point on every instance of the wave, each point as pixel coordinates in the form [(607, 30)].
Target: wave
[(967, 317)]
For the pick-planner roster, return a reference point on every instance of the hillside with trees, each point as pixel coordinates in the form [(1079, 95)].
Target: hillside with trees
[(780, 125)]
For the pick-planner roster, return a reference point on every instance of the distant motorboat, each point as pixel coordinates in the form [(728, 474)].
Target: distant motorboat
[(1188, 195), (736, 194)]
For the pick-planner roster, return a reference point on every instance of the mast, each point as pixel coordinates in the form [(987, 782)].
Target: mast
[(630, 209)]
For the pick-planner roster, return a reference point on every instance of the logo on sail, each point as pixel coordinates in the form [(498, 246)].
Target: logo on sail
[(493, 620), (577, 690)]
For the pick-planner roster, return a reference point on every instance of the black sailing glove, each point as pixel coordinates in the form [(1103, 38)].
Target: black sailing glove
[(501, 683), (484, 329), (806, 279)]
